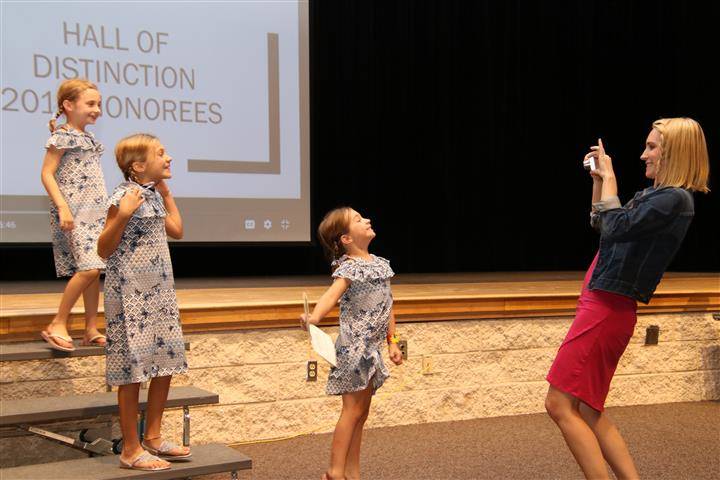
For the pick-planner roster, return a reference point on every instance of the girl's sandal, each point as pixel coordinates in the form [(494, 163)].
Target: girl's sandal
[(144, 457), (164, 451), (93, 342), (50, 339)]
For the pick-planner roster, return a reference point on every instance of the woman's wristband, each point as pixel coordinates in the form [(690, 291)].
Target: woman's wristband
[(393, 338)]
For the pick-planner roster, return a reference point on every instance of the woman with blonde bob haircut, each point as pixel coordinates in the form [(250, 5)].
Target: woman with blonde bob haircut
[(637, 243), (684, 162)]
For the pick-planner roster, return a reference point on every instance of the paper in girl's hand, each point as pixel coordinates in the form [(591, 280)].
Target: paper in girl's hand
[(322, 344), (321, 341)]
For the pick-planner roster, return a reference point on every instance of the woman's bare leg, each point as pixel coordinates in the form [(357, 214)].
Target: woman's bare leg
[(579, 437), (613, 446)]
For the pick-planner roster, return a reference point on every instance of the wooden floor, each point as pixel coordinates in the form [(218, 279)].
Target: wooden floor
[(238, 303)]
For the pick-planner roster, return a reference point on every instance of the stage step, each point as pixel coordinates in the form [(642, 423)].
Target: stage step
[(206, 460), (15, 351), (53, 409)]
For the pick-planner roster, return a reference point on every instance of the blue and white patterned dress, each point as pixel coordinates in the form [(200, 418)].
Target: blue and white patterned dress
[(364, 319), (80, 179), (144, 337)]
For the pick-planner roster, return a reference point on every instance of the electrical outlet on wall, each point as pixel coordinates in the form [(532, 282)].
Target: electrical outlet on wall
[(652, 335), (402, 345), (311, 371)]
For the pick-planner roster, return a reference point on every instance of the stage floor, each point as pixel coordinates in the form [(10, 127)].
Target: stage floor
[(209, 304)]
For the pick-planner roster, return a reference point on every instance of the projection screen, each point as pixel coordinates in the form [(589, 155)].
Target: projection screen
[(224, 85)]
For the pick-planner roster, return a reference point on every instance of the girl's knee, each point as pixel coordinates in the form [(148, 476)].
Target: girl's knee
[(129, 390), (167, 379), (89, 274), (356, 412), (129, 386)]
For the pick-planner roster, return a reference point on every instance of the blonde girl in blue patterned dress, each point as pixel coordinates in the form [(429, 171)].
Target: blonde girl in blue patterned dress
[(145, 340), (73, 178), (361, 282)]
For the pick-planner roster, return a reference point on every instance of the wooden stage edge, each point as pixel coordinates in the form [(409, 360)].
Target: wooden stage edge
[(209, 305)]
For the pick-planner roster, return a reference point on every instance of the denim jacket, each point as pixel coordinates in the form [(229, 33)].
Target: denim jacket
[(638, 240)]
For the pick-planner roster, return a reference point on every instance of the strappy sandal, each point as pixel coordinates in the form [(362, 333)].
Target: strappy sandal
[(49, 338), (164, 450), (93, 342), (144, 457)]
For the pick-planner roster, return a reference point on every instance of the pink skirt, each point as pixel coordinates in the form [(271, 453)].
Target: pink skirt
[(586, 361)]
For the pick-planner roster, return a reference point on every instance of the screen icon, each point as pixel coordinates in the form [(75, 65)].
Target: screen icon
[(249, 224)]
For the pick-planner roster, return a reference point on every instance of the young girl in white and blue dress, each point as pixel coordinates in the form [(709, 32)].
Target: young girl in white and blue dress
[(73, 177), (144, 336), (361, 282)]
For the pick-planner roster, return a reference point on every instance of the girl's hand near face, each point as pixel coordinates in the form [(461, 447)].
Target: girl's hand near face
[(162, 188), (130, 202)]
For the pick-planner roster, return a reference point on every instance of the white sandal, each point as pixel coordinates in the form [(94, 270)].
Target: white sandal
[(93, 342), (143, 457), (164, 451), (48, 337)]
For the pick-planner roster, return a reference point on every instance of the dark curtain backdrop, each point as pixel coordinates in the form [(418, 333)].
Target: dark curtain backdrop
[(459, 128)]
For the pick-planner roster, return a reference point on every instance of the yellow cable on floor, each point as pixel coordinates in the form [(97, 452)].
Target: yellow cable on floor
[(279, 439), (308, 432)]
